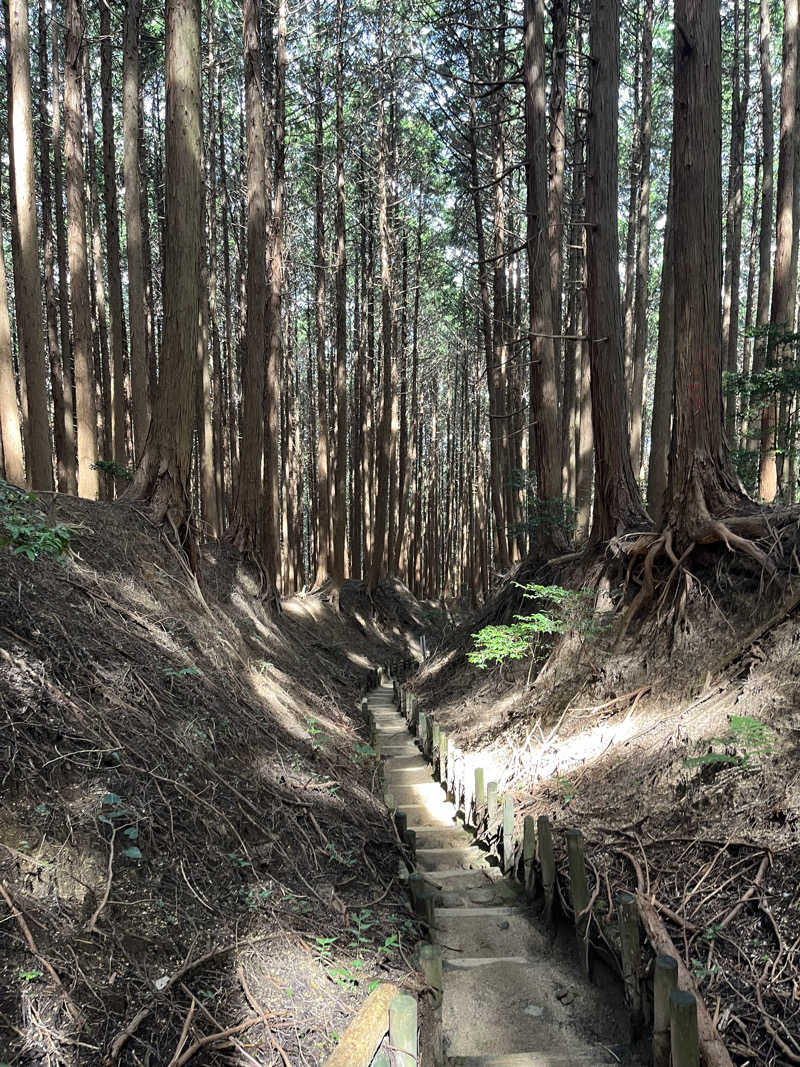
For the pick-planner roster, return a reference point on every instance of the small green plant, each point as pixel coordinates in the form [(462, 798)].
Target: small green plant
[(29, 976), (363, 753), (361, 923), (566, 789), (113, 469), (24, 532), (747, 737), (345, 975), (317, 735), (325, 946)]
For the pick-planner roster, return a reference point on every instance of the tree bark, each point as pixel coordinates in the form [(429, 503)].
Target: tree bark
[(782, 311), (740, 99), (324, 562), (701, 483), (271, 509), (68, 414), (10, 432), (658, 469), (62, 443), (85, 398), (643, 242), (548, 534), (617, 504), (27, 277), (162, 477), (137, 333), (112, 242), (245, 529), (340, 514)]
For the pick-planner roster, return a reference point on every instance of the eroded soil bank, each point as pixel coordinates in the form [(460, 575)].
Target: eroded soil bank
[(676, 753), (189, 838)]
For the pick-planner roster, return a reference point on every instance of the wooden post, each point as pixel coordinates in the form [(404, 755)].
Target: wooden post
[(435, 735), (388, 800), (372, 729), (403, 1030), (547, 865), (381, 1059), (491, 803), (416, 884), (365, 707), (401, 822), (422, 728), (683, 1029), (508, 835), (442, 767), (628, 918), (528, 855), (579, 891), (423, 905), (411, 842), (665, 979), (479, 799), (430, 961)]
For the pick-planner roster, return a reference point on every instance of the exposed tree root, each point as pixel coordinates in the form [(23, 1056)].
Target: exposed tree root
[(738, 533)]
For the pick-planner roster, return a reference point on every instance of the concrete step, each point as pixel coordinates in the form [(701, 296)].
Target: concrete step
[(448, 859), (498, 892), (399, 748), (425, 816), (406, 775), (500, 1006), (402, 763), (561, 1057), (479, 933), (423, 793), (442, 837)]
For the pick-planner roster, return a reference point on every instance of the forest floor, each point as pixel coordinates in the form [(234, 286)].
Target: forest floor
[(189, 836), (678, 756)]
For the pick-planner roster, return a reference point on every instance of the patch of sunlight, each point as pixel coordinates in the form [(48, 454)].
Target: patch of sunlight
[(299, 606), (359, 659), (572, 752)]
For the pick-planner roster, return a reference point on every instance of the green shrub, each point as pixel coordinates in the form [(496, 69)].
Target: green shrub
[(24, 531)]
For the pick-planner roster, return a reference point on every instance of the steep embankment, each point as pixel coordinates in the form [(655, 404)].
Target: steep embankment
[(677, 754), (188, 836)]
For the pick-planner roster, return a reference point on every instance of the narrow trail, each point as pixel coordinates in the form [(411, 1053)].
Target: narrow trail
[(513, 994)]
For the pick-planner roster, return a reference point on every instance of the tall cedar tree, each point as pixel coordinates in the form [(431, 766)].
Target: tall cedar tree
[(617, 505), (27, 277), (162, 477)]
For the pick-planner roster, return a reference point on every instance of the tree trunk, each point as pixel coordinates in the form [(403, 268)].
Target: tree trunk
[(660, 427), (557, 151), (747, 352), (102, 360), (782, 311), (10, 433), (162, 477), (27, 277), (617, 504), (112, 242), (324, 562), (245, 530), (70, 468), (701, 482), (548, 534), (85, 400), (629, 286), (643, 243), (378, 559), (496, 371), (51, 298), (271, 510), (340, 515), (740, 99), (137, 334)]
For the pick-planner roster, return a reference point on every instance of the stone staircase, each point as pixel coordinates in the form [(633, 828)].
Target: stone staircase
[(511, 996)]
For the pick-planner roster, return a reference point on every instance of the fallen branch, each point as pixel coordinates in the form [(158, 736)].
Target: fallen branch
[(712, 1047), (26, 933)]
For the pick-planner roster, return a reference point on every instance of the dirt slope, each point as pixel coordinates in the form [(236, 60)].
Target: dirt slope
[(188, 835), (677, 753)]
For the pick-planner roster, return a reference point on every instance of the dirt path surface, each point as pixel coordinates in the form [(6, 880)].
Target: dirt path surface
[(513, 996)]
